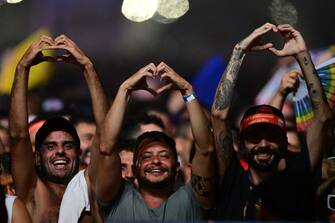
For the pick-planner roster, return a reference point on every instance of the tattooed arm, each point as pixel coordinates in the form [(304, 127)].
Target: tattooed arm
[(295, 46), (224, 94)]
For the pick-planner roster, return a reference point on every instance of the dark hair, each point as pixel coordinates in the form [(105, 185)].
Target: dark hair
[(132, 124), (125, 145), (55, 124), (154, 136)]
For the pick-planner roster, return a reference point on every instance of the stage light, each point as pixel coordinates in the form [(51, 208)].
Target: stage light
[(13, 1), (170, 10), (139, 10)]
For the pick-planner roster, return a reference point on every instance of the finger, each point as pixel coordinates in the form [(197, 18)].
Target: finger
[(47, 39), (63, 39), (294, 74), (161, 66), (275, 51), (151, 68), (263, 47), (63, 58), (265, 28), (285, 26), (151, 91), (165, 77), (48, 59), (45, 43), (164, 88)]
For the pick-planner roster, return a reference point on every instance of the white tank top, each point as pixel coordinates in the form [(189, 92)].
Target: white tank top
[(75, 199), (9, 206)]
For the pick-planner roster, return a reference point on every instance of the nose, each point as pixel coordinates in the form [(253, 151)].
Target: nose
[(128, 174), (60, 150), (156, 159), (263, 143)]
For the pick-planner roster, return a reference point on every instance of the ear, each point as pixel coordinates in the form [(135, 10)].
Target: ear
[(178, 166), (79, 152), (237, 141), (37, 156)]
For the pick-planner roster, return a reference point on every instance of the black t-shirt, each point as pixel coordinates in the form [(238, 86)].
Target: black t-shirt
[(288, 195)]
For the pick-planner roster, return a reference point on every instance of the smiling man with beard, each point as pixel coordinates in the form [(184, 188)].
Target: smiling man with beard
[(57, 147), (41, 177), (260, 179), (155, 161)]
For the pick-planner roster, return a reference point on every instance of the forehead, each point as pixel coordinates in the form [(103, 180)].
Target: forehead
[(126, 156), (58, 136), (155, 147), (84, 127)]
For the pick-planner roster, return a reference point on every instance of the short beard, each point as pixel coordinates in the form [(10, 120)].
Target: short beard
[(263, 165), (46, 176)]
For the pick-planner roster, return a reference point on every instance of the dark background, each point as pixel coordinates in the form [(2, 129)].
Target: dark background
[(120, 47)]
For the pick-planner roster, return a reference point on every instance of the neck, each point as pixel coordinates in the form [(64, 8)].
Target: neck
[(57, 189), (257, 177), (155, 197)]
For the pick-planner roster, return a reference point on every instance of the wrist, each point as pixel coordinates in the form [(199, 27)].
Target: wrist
[(88, 65), (302, 55), (189, 97), (21, 66), (187, 91)]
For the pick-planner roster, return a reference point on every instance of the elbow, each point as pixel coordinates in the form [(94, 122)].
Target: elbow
[(105, 149), (207, 150), (17, 135), (219, 114)]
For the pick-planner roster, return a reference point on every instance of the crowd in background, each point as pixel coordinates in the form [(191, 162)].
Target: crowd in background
[(149, 165)]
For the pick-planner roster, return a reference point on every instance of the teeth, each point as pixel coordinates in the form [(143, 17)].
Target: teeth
[(60, 162)]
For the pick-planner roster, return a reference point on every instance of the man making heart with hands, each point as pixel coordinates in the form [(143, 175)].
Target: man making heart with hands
[(155, 161), (262, 179), (57, 145)]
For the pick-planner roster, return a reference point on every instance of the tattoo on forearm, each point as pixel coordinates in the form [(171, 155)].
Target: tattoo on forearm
[(224, 145), (203, 186), (315, 91), (305, 61), (226, 85), (225, 95)]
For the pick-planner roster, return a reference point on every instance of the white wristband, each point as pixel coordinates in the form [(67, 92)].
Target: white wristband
[(190, 97)]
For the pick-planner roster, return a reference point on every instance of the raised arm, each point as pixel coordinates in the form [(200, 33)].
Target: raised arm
[(295, 46), (109, 178), (98, 95), (224, 94), (23, 164), (204, 177), (288, 84)]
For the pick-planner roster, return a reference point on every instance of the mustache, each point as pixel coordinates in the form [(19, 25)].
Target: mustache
[(263, 150)]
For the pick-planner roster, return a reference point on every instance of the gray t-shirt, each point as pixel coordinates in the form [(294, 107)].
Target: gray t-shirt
[(181, 206)]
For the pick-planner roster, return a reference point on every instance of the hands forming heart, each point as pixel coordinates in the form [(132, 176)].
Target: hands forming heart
[(34, 54), (171, 80), (293, 41)]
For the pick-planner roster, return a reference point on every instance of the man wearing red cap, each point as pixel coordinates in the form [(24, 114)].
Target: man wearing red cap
[(155, 161), (262, 180)]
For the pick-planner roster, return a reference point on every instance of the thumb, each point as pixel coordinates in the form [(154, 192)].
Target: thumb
[(275, 51)]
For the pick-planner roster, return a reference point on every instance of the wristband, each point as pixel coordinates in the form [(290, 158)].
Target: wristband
[(190, 97)]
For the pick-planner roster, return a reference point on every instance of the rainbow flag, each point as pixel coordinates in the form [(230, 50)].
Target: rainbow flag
[(302, 103)]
